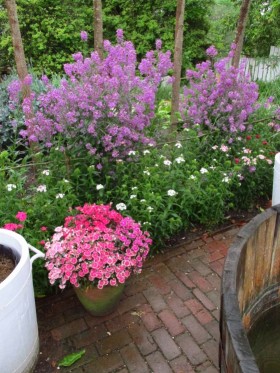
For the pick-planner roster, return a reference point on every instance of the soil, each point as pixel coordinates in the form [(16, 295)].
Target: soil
[(7, 266)]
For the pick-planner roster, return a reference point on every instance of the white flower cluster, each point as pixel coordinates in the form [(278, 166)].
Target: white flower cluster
[(59, 195), (10, 187), (42, 188), (167, 162), (179, 160), (171, 193), (121, 206)]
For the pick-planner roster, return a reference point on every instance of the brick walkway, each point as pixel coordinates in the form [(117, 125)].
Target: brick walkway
[(166, 322)]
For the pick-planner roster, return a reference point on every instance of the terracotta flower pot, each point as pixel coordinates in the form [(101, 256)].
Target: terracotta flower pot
[(100, 302)]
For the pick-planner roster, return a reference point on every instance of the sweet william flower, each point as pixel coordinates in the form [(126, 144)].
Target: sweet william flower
[(224, 148), (121, 206), (179, 160), (42, 188), (60, 196), (171, 193), (10, 187), (167, 162), (21, 216), (12, 226), (96, 246)]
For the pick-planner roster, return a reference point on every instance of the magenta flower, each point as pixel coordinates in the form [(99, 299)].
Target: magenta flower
[(84, 36), (211, 51), (12, 226), (89, 103), (21, 216), (158, 44)]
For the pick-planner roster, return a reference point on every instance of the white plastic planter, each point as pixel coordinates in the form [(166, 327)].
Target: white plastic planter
[(19, 340), (276, 181)]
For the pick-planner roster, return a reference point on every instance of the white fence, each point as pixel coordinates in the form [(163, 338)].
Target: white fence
[(265, 69)]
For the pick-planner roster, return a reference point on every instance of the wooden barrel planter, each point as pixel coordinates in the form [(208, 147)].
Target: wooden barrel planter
[(250, 287)]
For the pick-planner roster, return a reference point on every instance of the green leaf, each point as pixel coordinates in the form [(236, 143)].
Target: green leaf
[(69, 360)]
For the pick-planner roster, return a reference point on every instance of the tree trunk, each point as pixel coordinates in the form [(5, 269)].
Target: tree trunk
[(179, 30), (17, 44), (239, 38), (98, 27)]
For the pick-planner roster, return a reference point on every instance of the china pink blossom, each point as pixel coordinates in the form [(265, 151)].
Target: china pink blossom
[(97, 245), (224, 148), (12, 226), (21, 216)]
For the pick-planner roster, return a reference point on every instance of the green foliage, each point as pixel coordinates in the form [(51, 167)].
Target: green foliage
[(145, 21), (69, 360), (222, 20), (267, 89), (51, 29), (50, 32), (262, 29), (7, 133)]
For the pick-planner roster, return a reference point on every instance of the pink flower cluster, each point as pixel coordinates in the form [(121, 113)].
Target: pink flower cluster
[(21, 216), (97, 245)]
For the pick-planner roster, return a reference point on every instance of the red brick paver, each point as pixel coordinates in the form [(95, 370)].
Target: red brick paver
[(167, 320)]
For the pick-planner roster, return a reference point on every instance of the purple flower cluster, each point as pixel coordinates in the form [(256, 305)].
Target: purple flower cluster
[(106, 103), (219, 95)]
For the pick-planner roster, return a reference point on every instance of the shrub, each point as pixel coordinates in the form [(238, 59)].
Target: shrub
[(219, 96), (103, 106)]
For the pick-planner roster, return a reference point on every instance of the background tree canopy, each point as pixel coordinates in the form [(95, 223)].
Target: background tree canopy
[(262, 29), (51, 29)]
